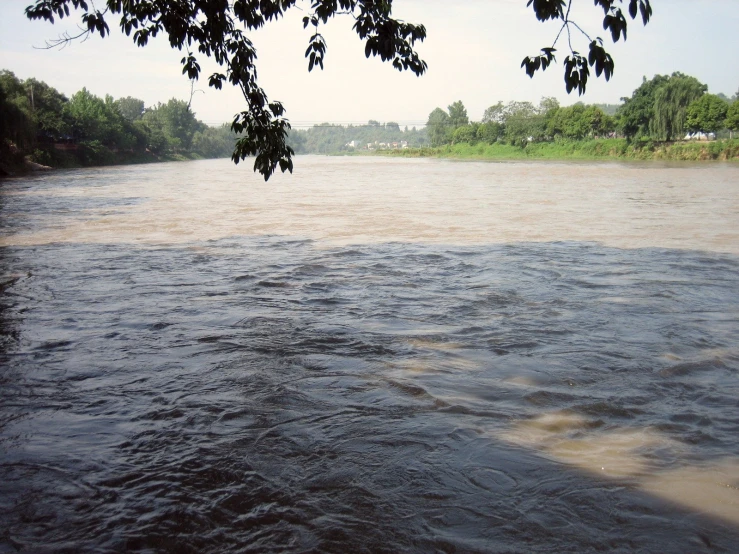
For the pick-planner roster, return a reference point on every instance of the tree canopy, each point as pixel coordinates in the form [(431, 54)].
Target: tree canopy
[(131, 108), (439, 127), (39, 121), (732, 116), (458, 114), (637, 111), (660, 109), (707, 114), (671, 102), (217, 29)]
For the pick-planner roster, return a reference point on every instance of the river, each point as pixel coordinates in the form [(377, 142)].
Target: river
[(370, 355)]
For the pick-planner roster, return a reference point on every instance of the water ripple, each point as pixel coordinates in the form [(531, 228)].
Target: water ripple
[(278, 394)]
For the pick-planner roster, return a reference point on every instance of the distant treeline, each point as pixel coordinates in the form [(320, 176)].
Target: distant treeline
[(665, 108), (38, 121), (327, 138)]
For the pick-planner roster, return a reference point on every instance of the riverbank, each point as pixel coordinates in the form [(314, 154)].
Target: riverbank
[(595, 149), (14, 165)]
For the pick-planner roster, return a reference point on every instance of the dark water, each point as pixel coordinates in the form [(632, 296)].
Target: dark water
[(272, 393)]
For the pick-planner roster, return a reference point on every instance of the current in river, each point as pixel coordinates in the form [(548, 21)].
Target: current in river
[(370, 355)]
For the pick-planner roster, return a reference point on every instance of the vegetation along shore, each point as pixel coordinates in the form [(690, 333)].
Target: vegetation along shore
[(668, 117), (593, 149), (41, 128)]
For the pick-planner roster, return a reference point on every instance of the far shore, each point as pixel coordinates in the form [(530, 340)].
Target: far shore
[(595, 149)]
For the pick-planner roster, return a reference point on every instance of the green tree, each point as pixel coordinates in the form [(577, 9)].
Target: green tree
[(92, 118), (213, 142), (215, 28), (636, 112), (42, 104), (707, 114), (47, 106), (671, 102), (457, 114), (494, 113), (600, 122), (86, 114), (523, 123), (548, 107), (34, 114), (466, 133), (732, 117), (16, 124), (151, 127), (178, 122), (439, 127), (11, 85), (130, 108), (548, 104), (490, 132), (568, 123)]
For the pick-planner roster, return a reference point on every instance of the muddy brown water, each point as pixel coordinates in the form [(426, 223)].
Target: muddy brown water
[(371, 355)]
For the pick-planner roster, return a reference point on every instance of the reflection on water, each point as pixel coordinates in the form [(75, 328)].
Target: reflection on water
[(374, 356)]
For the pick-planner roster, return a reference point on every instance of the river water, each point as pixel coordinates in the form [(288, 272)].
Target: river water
[(371, 355)]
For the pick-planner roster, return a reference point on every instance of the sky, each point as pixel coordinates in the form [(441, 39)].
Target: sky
[(474, 50)]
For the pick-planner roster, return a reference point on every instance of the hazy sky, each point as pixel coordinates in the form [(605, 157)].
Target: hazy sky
[(474, 49)]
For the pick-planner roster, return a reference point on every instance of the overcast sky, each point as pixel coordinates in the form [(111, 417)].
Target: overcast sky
[(474, 49)]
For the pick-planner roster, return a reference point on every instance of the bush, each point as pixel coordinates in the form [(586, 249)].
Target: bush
[(94, 153)]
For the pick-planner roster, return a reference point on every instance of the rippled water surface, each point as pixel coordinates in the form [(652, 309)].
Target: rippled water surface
[(370, 356)]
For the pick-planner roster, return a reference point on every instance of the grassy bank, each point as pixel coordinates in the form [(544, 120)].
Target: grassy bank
[(595, 149)]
